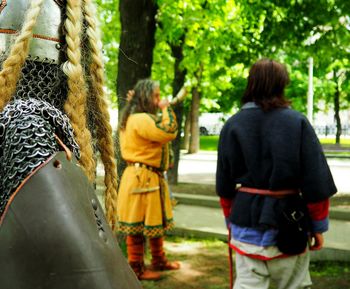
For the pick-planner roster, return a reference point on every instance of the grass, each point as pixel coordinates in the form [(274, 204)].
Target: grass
[(331, 141), (337, 154), (196, 189), (204, 265), (330, 269), (210, 143)]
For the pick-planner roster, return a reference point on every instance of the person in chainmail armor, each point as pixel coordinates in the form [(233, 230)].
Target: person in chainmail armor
[(53, 122)]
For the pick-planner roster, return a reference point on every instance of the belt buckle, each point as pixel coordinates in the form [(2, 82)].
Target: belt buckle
[(297, 215)]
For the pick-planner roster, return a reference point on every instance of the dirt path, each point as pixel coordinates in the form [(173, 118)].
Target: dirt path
[(204, 265)]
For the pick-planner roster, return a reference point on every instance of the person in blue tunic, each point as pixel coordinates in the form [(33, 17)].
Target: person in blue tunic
[(274, 184)]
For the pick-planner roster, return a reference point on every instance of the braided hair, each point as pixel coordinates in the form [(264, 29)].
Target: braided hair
[(79, 102), (12, 66), (98, 106)]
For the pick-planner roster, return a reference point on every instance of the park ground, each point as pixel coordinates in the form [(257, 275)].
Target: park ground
[(204, 265), (204, 262)]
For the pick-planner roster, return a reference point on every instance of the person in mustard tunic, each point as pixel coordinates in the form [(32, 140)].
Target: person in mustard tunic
[(144, 207)]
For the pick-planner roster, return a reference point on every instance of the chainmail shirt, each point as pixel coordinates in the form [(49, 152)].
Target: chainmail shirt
[(28, 124)]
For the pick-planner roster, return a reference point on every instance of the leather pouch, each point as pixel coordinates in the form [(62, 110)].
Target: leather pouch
[(293, 227)]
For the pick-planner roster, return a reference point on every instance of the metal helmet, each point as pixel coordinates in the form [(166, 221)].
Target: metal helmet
[(46, 42)]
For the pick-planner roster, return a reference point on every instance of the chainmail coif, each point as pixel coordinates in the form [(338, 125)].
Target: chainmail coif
[(28, 124), (45, 81)]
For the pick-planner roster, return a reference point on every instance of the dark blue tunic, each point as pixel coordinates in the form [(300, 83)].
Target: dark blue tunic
[(272, 150)]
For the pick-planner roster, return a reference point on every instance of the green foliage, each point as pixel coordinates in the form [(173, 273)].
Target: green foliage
[(108, 14), (226, 37), (208, 31), (221, 39)]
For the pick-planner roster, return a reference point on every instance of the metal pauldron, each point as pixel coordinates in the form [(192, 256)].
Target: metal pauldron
[(54, 235), (46, 37)]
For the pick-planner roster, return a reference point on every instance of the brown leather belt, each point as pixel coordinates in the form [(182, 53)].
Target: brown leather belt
[(142, 165), (279, 193)]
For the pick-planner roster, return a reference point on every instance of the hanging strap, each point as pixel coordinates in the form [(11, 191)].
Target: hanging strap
[(230, 258)]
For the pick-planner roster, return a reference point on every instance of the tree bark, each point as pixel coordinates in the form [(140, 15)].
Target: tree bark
[(178, 82), (187, 131), (135, 58), (336, 110), (194, 140), (195, 104), (137, 40)]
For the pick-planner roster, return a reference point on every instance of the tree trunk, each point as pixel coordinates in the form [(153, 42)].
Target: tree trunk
[(178, 82), (187, 131), (135, 58), (194, 140), (336, 111), (138, 26)]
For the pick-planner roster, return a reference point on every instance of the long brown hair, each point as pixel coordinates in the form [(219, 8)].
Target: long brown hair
[(98, 105), (266, 83), (142, 100)]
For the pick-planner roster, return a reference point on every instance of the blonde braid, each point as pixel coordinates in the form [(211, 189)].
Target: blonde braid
[(75, 106), (104, 130), (12, 66)]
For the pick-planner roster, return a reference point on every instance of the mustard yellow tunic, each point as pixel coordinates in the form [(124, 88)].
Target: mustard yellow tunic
[(144, 205)]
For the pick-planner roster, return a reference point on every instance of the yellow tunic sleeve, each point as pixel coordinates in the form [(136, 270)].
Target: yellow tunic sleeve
[(159, 129)]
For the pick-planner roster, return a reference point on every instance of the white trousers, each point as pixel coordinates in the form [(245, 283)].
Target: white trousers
[(285, 273)]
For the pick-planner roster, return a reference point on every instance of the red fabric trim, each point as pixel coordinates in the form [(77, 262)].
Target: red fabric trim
[(319, 211), (259, 257), (39, 36), (230, 261), (226, 206), (2, 6), (279, 193)]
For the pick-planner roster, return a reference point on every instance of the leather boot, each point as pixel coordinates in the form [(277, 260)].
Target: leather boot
[(136, 247), (164, 264), (144, 274), (159, 261)]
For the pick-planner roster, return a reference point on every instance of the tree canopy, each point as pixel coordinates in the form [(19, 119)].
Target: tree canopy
[(220, 39)]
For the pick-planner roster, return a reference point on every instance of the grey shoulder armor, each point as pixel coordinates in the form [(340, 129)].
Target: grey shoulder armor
[(53, 234)]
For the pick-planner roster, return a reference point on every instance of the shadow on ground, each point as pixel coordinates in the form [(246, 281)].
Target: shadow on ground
[(204, 265)]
